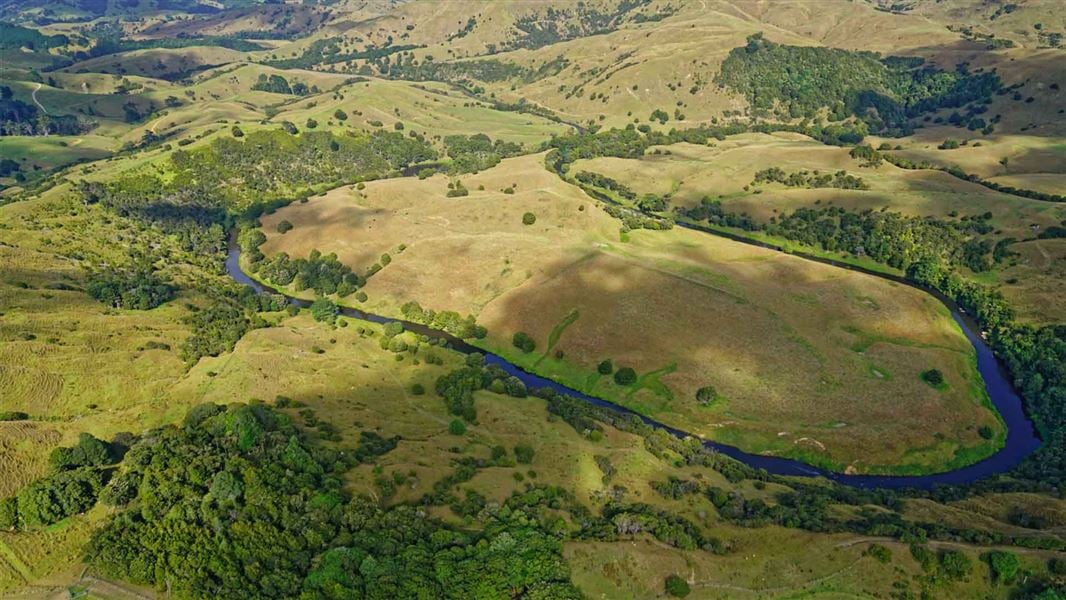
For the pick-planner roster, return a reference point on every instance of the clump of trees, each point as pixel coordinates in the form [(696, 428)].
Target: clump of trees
[(76, 476), (793, 82), (445, 320), (477, 152), (251, 474), (138, 289), (809, 179), (279, 85), (523, 342)]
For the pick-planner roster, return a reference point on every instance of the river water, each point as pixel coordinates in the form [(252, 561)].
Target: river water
[(1021, 435)]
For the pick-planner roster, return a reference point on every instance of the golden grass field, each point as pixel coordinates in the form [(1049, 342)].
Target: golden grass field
[(690, 172), (786, 342)]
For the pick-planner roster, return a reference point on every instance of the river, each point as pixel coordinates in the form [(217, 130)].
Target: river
[(1021, 435)]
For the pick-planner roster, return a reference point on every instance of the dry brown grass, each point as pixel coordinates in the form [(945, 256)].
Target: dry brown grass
[(811, 360)]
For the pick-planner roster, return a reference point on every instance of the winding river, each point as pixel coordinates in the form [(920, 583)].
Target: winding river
[(1021, 435)]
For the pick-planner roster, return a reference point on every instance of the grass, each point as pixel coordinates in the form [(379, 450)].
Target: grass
[(772, 333)]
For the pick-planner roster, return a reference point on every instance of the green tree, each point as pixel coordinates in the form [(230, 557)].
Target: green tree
[(1004, 566), (523, 342), (625, 376), (529, 218), (605, 367), (523, 454), (706, 395), (677, 587), (456, 427), (324, 310)]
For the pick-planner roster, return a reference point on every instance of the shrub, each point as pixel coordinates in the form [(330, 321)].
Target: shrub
[(529, 218), (955, 564), (9, 512), (677, 587), (1004, 566), (340, 115), (949, 145), (625, 376), (879, 553), (236, 131), (456, 427), (933, 377), (523, 342), (324, 310), (284, 226), (605, 367), (705, 395), (418, 389), (523, 454)]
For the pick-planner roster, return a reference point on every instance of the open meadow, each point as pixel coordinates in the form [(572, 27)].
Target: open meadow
[(784, 342)]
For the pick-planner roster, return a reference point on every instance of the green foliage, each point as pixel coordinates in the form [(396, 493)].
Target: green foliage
[(477, 152), (88, 452), (279, 85), (284, 226), (523, 454), (949, 145), (58, 496), (271, 520), (840, 179), (523, 342), (955, 564), (933, 377), (138, 290), (529, 218), (324, 310), (1004, 566), (625, 376), (605, 367), (446, 320), (706, 395), (9, 513), (456, 427), (799, 81), (880, 553), (677, 587)]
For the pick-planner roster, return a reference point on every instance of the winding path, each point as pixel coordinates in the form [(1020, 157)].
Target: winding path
[(1021, 435), (36, 101)]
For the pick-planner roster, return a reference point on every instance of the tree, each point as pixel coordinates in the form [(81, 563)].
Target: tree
[(677, 587), (605, 367), (523, 342), (340, 115), (284, 226), (955, 564), (625, 376), (456, 427), (237, 132), (529, 218), (1004, 566), (706, 394), (523, 454), (933, 377), (324, 310), (311, 124)]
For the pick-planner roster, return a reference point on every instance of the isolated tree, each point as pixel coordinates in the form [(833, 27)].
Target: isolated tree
[(529, 218), (625, 376), (605, 367)]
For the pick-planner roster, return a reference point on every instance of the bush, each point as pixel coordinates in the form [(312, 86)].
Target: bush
[(340, 115), (523, 454), (9, 512), (284, 226), (523, 342), (879, 553), (529, 218), (949, 145), (625, 376), (418, 389), (955, 564), (705, 395), (677, 587), (605, 367), (1004, 566), (933, 377), (456, 427), (324, 310), (237, 132)]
